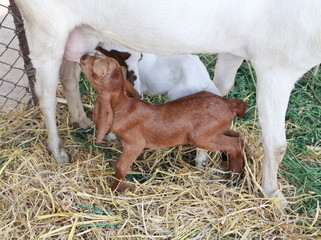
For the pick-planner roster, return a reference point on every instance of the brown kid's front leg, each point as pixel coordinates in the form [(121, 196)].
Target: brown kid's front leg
[(123, 164)]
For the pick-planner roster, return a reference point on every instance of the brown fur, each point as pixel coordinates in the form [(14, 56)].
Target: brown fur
[(202, 119)]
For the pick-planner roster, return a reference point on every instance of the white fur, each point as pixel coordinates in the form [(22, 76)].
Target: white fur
[(177, 75), (281, 38)]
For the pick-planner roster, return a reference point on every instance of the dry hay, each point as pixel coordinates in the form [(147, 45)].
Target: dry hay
[(43, 200)]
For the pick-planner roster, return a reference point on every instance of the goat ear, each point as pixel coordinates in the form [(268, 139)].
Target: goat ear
[(130, 91), (103, 117), (118, 79), (96, 110), (120, 57)]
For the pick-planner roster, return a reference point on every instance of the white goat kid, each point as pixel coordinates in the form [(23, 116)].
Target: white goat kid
[(282, 39), (176, 75)]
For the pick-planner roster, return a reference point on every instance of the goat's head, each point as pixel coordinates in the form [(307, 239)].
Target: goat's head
[(104, 73)]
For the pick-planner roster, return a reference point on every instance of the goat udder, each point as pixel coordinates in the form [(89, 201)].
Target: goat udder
[(79, 44)]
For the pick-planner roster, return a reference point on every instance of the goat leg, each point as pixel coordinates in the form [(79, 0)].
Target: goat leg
[(123, 164)]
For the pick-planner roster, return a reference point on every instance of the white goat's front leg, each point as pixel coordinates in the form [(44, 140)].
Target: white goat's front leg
[(47, 76), (273, 92), (69, 77), (225, 71)]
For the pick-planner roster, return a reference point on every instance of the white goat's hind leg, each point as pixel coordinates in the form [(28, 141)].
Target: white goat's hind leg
[(111, 137), (69, 77), (47, 76), (273, 92), (201, 157), (225, 70)]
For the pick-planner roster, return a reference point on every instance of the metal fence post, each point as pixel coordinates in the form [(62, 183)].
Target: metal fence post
[(23, 44)]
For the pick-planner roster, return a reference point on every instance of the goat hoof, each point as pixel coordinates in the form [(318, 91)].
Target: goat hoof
[(201, 158), (111, 137), (281, 201), (234, 176), (118, 186), (84, 123), (200, 162), (61, 156), (75, 125), (200, 165)]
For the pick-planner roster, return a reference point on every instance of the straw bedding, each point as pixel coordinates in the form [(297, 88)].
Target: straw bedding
[(166, 197)]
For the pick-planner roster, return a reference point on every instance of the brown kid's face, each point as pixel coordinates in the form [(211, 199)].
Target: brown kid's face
[(98, 70)]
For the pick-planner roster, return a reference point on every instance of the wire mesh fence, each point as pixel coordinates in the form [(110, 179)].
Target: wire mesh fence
[(15, 91)]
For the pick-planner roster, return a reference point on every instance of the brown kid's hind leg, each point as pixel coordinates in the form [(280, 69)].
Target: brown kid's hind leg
[(229, 133), (229, 142), (236, 161)]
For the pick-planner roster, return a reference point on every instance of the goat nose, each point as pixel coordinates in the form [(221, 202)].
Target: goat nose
[(83, 58)]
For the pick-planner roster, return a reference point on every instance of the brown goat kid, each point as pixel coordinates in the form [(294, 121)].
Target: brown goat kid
[(202, 119)]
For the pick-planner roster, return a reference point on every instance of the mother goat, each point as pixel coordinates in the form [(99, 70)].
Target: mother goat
[(281, 38)]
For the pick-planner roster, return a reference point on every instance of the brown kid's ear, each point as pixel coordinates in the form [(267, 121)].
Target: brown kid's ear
[(103, 117), (96, 111), (130, 91), (118, 81)]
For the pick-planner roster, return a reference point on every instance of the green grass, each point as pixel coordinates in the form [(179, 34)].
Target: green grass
[(300, 167), (304, 114)]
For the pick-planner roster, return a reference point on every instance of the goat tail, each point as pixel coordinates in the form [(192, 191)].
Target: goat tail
[(238, 106)]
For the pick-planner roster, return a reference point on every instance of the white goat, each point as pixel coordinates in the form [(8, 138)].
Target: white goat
[(281, 38)]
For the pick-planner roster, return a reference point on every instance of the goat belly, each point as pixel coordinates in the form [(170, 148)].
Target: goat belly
[(167, 134), (177, 124)]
